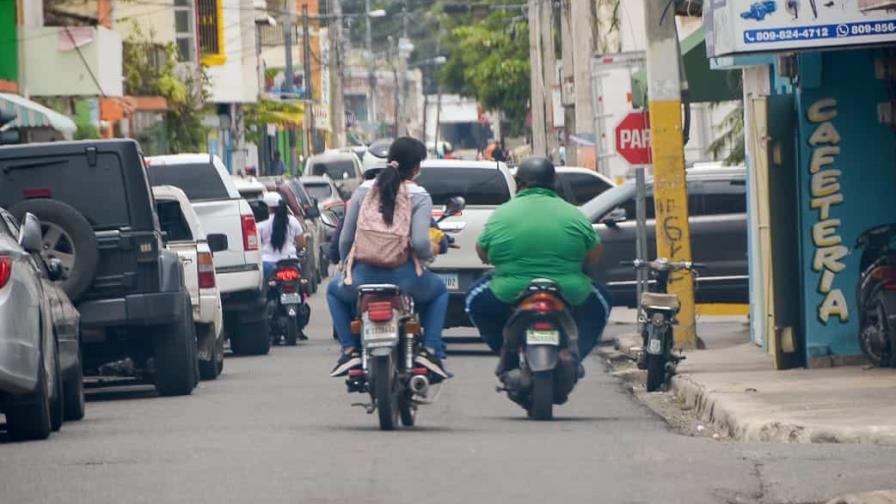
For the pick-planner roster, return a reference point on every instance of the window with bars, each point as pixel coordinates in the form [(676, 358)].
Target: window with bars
[(211, 32), (184, 30)]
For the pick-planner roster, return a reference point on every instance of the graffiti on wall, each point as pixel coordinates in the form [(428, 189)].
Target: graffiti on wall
[(826, 195)]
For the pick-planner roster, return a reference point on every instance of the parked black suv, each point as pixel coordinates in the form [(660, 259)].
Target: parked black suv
[(99, 219), (717, 207)]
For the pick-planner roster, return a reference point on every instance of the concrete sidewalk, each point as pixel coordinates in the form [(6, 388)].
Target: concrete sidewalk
[(733, 385)]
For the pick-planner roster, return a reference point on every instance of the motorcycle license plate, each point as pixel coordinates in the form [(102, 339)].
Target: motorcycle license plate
[(539, 337), (655, 346), (380, 331), (294, 298)]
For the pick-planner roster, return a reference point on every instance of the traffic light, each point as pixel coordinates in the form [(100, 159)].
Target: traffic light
[(8, 135)]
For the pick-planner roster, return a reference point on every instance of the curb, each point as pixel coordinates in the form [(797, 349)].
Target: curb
[(879, 497), (744, 422)]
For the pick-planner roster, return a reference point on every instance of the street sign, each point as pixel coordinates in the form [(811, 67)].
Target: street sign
[(633, 138)]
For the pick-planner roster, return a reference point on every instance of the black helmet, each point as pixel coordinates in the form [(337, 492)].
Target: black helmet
[(536, 172)]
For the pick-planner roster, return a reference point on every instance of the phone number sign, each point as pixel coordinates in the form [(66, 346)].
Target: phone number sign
[(751, 26)]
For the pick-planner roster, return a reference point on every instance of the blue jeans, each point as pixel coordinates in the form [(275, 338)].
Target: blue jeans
[(429, 293), (267, 267), (490, 314)]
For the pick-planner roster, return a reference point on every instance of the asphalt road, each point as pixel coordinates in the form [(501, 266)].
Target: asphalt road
[(276, 429)]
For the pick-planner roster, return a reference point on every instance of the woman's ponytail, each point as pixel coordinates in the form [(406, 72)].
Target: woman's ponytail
[(281, 222), (405, 155)]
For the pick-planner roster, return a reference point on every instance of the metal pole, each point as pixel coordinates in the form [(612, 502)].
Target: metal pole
[(371, 75), (673, 234), (290, 80), (309, 88), (641, 228), (337, 63)]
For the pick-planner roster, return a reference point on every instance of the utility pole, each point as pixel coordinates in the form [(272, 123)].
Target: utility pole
[(337, 63), (568, 82), (371, 75), (539, 141), (288, 30), (309, 89), (673, 236), (549, 66)]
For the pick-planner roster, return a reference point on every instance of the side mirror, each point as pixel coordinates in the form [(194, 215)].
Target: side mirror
[(30, 235), (217, 242), (329, 218), (455, 206), (613, 218), (259, 210), (55, 270)]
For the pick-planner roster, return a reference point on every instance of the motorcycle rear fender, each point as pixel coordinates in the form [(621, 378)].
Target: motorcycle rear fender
[(542, 357), (381, 350)]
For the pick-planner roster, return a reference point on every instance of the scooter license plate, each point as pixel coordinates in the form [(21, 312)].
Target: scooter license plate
[(655, 346), (380, 331), (294, 298), (540, 337)]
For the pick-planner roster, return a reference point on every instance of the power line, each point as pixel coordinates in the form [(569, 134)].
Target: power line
[(84, 62)]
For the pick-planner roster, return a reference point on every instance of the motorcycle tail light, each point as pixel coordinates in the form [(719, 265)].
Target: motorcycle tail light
[(5, 270), (380, 311), (287, 275), (886, 275), (250, 233), (543, 326), (206, 266), (541, 302), (412, 327)]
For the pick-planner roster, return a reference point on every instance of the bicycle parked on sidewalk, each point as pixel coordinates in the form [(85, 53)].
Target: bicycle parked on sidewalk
[(656, 315)]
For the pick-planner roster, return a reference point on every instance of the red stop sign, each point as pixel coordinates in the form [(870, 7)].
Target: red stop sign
[(633, 138)]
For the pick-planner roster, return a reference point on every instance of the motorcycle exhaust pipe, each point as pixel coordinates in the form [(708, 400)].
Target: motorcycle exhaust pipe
[(419, 384)]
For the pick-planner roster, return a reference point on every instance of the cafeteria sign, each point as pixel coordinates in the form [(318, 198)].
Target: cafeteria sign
[(754, 26)]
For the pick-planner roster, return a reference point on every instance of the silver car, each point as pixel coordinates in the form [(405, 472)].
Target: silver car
[(40, 364), (484, 185)]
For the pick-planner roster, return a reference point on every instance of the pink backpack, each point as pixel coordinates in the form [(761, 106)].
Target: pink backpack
[(377, 243)]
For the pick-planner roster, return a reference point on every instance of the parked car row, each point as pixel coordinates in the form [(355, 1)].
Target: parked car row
[(120, 267)]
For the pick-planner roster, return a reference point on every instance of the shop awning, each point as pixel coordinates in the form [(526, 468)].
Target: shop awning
[(704, 84), (31, 114)]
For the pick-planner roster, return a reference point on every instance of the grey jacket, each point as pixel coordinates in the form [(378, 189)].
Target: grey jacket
[(421, 216)]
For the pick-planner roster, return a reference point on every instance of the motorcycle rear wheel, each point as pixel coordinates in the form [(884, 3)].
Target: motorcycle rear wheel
[(656, 372), (407, 410), (874, 326), (542, 406), (292, 331), (385, 392)]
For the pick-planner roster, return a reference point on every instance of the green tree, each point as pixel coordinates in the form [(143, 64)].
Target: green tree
[(151, 69), (489, 60)]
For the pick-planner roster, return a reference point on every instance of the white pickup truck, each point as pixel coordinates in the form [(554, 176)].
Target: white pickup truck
[(185, 237), (220, 208)]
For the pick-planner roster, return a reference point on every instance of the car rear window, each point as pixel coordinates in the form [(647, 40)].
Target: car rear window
[(321, 191), (200, 181), (71, 180), (478, 186), (172, 221), (336, 169)]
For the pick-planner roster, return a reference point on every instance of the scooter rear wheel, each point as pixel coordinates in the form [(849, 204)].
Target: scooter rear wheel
[(542, 407), (292, 331), (656, 372)]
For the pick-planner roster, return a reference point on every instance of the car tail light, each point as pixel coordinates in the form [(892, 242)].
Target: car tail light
[(543, 326), (541, 302), (380, 311), (5, 270), (36, 192), (250, 233), (886, 275), (287, 275), (206, 266)]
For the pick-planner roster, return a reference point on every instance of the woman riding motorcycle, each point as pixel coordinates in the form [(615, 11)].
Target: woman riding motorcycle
[(395, 189), (281, 235)]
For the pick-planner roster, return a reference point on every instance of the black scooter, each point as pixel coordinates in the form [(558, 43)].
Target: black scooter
[(539, 359), (287, 308)]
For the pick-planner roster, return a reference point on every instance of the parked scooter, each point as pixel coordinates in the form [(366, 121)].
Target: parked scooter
[(876, 294), (287, 305), (539, 366), (656, 316), (391, 336)]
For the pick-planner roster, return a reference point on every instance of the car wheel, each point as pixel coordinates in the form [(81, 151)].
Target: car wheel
[(208, 368), (57, 400), (68, 237), (31, 420), (73, 391), (175, 356)]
